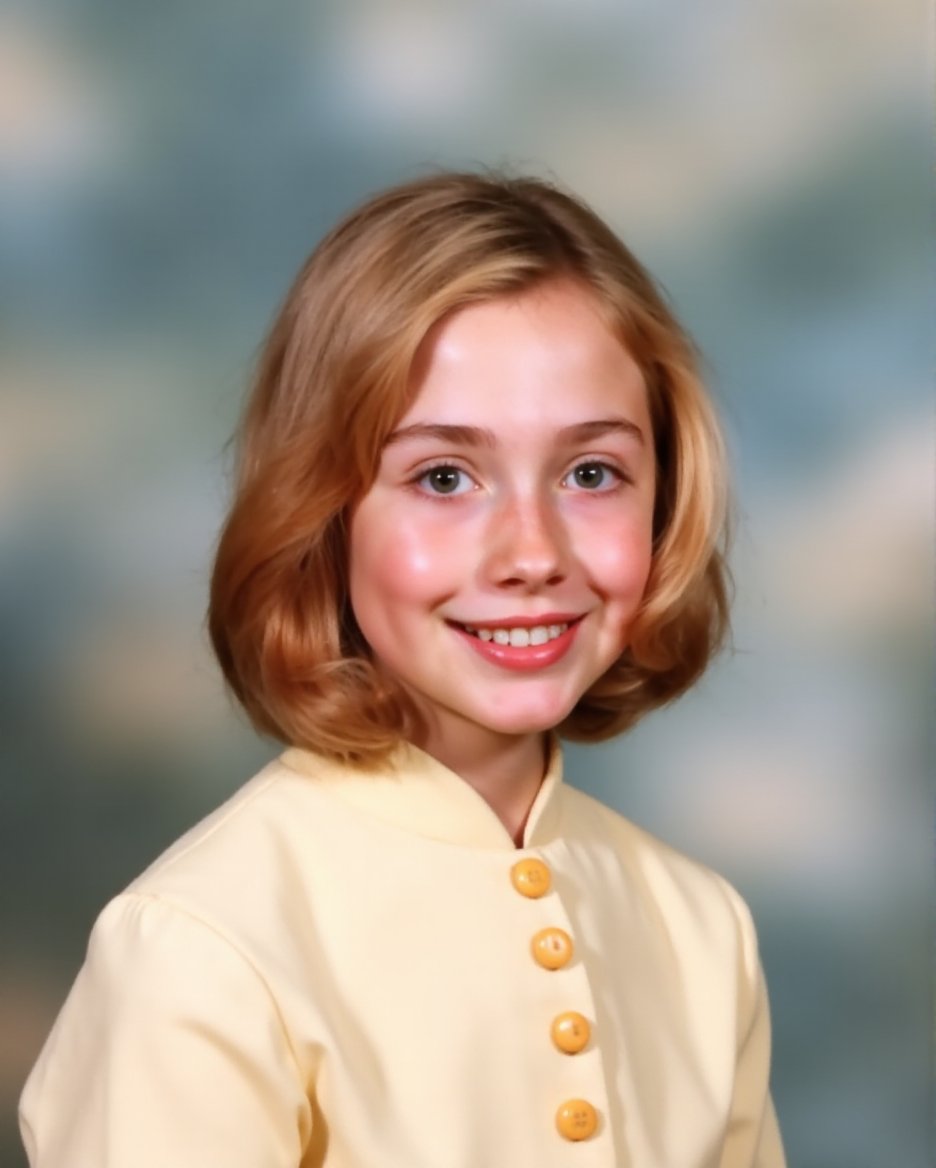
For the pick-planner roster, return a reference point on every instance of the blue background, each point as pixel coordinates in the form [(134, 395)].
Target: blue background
[(165, 168)]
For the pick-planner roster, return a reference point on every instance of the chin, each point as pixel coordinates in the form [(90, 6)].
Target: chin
[(535, 721)]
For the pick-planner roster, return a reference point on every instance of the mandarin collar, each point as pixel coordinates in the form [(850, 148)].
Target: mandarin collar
[(417, 793)]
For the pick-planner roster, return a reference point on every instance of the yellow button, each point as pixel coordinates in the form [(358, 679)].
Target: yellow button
[(570, 1032), (576, 1119), (552, 948), (530, 878)]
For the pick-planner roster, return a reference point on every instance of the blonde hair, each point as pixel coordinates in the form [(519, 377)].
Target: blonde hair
[(335, 377)]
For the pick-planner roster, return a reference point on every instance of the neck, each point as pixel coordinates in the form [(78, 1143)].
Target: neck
[(505, 770)]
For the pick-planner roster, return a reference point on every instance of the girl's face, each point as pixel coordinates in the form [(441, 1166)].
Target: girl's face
[(499, 557)]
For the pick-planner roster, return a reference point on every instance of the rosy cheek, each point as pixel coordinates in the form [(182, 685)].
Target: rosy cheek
[(408, 557), (415, 552), (617, 562)]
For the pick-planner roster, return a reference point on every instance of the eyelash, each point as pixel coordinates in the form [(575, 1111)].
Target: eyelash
[(618, 475)]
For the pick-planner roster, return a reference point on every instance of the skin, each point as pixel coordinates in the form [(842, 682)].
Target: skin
[(543, 506)]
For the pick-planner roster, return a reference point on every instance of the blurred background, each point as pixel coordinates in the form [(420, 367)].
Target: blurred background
[(164, 169)]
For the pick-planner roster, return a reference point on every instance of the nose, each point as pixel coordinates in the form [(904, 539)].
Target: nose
[(527, 545)]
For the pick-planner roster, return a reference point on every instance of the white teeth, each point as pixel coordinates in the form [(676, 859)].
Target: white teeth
[(519, 638)]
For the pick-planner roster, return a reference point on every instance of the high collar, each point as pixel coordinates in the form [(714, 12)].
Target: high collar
[(417, 793)]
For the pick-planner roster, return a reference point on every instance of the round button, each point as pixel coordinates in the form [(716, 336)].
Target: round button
[(570, 1032), (530, 878), (576, 1119), (552, 948)]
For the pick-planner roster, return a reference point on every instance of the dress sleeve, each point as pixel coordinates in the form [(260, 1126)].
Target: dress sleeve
[(169, 1051), (752, 1138)]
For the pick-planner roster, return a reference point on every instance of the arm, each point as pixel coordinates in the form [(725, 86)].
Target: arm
[(752, 1137), (169, 1050)]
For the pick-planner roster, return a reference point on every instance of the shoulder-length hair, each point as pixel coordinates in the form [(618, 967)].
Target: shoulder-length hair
[(333, 380)]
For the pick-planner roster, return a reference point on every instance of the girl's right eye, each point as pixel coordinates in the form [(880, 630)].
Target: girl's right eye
[(444, 480)]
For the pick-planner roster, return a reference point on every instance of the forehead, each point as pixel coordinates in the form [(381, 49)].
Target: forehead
[(547, 349)]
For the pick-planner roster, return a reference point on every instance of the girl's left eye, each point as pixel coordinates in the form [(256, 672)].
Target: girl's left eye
[(593, 476), (444, 480)]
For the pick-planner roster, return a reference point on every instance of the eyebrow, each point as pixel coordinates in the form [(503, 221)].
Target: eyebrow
[(458, 435)]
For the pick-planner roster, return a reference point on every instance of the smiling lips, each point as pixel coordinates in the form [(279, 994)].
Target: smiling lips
[(521, 646), (519, 636)]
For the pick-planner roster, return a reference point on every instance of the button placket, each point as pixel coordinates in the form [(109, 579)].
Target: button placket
[(552, 948)]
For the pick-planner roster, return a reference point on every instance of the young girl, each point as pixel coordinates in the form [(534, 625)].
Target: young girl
[(479, 507)]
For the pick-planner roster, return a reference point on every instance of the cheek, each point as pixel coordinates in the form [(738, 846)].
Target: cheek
[(618, 563), (394, 560)]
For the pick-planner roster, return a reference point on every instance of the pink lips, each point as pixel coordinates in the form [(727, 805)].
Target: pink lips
[(527, 657)]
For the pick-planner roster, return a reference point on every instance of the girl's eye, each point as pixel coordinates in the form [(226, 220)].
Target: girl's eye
[(594, 476), (444, 480)]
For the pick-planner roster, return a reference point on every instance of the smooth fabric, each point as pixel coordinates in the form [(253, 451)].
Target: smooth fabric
[(334, 969)]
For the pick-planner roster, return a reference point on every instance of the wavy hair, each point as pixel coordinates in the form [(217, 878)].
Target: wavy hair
[(333, 380)]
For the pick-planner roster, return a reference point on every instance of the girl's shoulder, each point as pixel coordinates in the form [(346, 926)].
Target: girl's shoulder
[(231, 865), (681, 888), (252, 810)]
